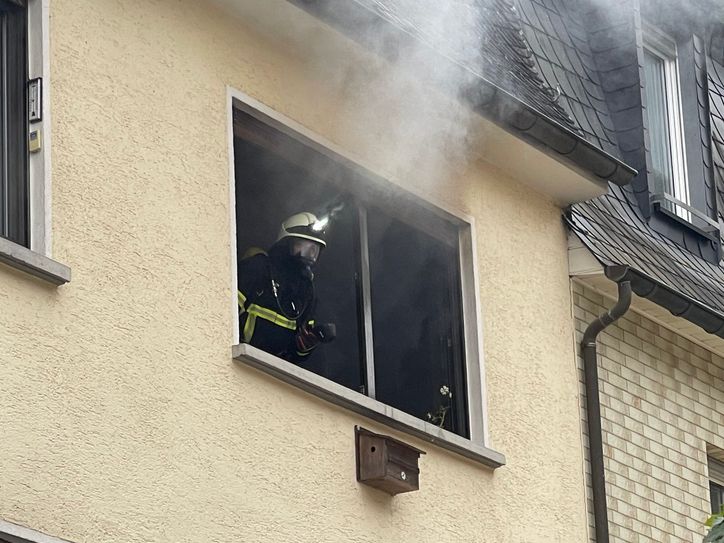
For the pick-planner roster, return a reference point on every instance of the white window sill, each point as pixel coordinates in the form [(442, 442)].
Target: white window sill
[(359, 403), (35, 264), (14, 533)]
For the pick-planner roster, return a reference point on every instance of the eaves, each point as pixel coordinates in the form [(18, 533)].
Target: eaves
[(483, 96)]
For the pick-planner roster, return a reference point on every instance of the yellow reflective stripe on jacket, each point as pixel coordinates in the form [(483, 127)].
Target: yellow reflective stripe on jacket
[(272, 316), (242, 301), (249, 327), (255, 311)]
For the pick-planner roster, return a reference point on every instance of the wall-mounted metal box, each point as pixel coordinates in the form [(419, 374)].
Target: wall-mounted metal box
[(386, 463)]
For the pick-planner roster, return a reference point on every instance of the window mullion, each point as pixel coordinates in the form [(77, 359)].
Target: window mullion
[(366, 303)]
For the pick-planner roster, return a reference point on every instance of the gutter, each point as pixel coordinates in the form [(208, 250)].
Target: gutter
[(593, 403), (387, 37), (677, 303), (680, 305)]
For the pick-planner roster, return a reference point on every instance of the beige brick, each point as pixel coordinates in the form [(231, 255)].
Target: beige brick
[(645, 492), (626, 325)]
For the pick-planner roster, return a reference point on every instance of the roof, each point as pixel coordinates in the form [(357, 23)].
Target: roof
[(615, 227)]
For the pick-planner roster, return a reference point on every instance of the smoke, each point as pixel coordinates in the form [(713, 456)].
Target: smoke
[(405, 100)]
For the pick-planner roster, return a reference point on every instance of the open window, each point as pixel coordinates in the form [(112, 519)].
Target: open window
[(396, 276)]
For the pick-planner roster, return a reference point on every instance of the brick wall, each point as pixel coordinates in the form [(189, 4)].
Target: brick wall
[(662, 401)]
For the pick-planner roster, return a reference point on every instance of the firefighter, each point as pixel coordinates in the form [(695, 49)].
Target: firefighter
[(276, 292)]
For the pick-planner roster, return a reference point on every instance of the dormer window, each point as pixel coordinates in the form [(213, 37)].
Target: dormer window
[(666, 129), (677, 189)]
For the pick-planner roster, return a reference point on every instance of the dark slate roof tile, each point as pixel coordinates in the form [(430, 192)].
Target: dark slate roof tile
[(504, 57), (621, 56)]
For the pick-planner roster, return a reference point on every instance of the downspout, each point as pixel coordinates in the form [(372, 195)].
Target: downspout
[(593, 404)]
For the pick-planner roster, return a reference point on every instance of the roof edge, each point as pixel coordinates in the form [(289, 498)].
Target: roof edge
[(680, 305), (483, 96)]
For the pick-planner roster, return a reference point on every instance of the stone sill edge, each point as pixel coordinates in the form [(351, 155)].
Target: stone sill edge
[(363, 405), (33, 263)]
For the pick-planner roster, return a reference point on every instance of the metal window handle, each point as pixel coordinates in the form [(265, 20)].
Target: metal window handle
[(403, 475)]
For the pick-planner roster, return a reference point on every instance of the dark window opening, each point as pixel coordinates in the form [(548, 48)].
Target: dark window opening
[(13, 140), (716, 492), (389, 278)]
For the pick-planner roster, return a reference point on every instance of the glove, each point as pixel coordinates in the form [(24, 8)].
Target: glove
[(308, 337)]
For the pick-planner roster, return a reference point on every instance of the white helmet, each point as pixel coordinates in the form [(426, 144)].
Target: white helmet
[(305, 226)]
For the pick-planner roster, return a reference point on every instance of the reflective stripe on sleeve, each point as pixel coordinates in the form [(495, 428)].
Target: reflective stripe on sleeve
[(242, 299), (249, 327), (271, 316)]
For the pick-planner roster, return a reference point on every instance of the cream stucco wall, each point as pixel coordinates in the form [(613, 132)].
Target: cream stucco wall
[(122, 415)]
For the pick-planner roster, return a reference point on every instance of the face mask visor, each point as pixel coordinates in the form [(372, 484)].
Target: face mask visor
[(305, 250)]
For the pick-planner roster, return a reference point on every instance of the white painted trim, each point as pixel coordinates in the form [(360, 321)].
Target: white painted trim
[(14, 533), (581, 261), (39, 163), (472, 322), (664, 47), (364, 405), (230, 95), (473, 319)]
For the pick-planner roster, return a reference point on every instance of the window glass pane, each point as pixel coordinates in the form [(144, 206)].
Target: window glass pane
[(659, 130), (416, 320), (13, 124), (3, 126), (271, 187), (717, 496)]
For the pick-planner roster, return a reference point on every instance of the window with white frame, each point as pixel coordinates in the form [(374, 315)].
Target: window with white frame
[(23, 154), (396, 277), (24, 138), (665, 123)]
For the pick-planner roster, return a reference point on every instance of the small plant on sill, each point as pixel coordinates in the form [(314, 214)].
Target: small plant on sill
[(716, 525), (438, 417)]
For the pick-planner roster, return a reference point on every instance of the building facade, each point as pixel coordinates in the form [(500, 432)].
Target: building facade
[(490, 173), (125, 415)]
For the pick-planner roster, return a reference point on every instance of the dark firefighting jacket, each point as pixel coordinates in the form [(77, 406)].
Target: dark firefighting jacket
[(275, 301)]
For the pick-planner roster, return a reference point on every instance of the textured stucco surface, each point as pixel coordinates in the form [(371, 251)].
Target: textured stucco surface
[(661, 409), (122, 415)]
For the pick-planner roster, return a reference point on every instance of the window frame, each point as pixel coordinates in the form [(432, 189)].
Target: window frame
[(680, 203), (716, 478), (35, 256), (663, 47), (477, 446)]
